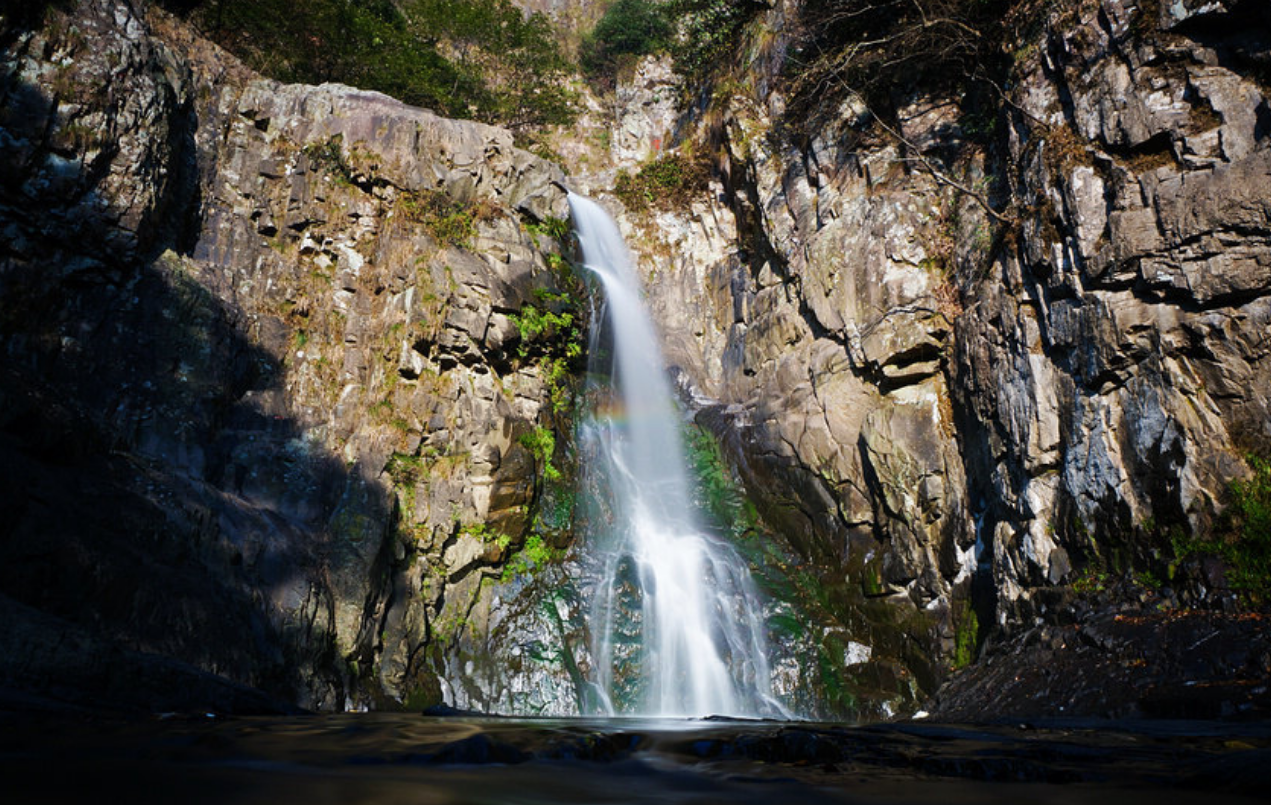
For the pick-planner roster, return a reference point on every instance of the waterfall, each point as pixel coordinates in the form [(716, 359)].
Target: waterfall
[(676, 625)]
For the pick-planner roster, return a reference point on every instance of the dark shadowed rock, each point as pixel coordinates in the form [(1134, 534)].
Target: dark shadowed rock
[(250, 392)]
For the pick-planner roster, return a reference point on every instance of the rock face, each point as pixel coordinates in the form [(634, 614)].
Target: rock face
[(645, 112), (953, 425), (821, 343), (263, 398), (1114, 369), (268, 421)]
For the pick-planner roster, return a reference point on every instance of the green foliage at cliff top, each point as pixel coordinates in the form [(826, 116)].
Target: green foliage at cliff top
[(697, 33), (629, 29), (708, 31), (477, 59)]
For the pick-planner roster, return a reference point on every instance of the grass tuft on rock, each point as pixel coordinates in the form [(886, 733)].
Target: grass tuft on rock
[(1242, 539)]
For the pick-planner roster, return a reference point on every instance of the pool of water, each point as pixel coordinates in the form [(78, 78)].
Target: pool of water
[(399, 758)]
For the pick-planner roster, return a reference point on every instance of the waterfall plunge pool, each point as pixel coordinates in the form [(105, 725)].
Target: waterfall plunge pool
[(378, 758)]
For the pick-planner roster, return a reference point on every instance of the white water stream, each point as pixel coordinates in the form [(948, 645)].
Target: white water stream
[(676, 624)]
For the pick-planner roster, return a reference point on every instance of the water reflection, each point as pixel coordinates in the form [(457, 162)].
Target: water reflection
[(381, 758)]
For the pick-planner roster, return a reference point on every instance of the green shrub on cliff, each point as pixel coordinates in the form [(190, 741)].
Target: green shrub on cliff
[(715, 488), (479, 59), (629, 29), (966, 638), (1252, 501), (534, 555), (553, 336), (541, 442), (669, 182), (450, 221)]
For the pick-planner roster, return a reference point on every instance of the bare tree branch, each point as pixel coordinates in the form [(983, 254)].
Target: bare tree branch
[(941, 177)]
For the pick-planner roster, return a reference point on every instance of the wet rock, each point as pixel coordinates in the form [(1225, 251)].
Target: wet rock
[(1120, 664)]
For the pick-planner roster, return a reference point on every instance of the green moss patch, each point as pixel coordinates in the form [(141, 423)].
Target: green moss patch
[(1242, 538)]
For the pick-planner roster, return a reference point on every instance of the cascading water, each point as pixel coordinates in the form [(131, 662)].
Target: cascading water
[(676, 625)]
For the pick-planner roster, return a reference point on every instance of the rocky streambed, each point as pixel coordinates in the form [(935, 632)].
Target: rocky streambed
[(1123, 662)]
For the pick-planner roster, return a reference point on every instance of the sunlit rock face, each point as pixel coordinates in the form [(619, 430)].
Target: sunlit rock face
[(645, 112), (925, 409), (1115, 364), (817, 324), (262, 408)]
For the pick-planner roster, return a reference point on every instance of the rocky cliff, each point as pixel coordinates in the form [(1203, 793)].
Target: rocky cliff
[(963, 380), (266, 403), (287, 369)]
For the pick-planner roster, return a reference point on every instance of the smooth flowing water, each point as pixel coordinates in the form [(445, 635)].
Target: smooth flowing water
[(677, 627)]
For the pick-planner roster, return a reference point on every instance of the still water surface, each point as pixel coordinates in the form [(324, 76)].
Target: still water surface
[(400, 758)]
